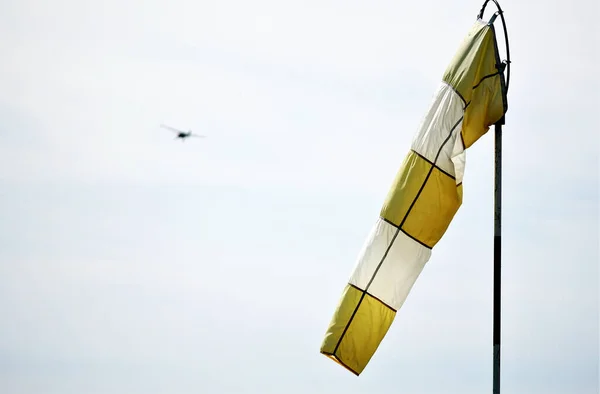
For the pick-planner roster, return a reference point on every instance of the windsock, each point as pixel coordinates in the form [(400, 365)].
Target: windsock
[(421, 202)]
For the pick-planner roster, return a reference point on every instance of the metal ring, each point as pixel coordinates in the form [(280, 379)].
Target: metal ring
[(501, 13)]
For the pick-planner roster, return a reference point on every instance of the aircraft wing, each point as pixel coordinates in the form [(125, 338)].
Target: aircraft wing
[(172, 129)]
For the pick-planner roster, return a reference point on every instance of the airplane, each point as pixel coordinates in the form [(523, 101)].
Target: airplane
[(182, 134)]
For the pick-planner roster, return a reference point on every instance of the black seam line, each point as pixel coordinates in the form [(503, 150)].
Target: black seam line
[(406, 233), (414, 239), (473, 88), (484, 78), (389, 222), (433, 164), (479, 83), (365, 292), (430, 170), (377, 298), (459, 184), (503, 87), (338, 360), (395, 235), (457, 92)]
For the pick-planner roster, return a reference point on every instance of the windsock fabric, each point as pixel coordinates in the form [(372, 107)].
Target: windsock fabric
[(424, 197)]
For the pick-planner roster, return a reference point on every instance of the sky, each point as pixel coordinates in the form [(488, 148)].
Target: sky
[(131, 262)]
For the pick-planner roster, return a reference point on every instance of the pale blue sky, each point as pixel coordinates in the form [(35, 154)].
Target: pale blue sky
[(133, 263)]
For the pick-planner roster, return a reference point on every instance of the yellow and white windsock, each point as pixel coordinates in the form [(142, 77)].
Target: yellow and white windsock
[(421, 202)]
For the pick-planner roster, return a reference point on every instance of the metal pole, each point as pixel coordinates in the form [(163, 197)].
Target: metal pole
[(497, 251), (498, 208)]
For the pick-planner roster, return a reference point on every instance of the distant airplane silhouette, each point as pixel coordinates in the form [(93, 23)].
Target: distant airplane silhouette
[(182, 134)]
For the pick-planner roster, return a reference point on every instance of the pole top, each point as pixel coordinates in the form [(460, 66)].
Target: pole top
[(500, 13)]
